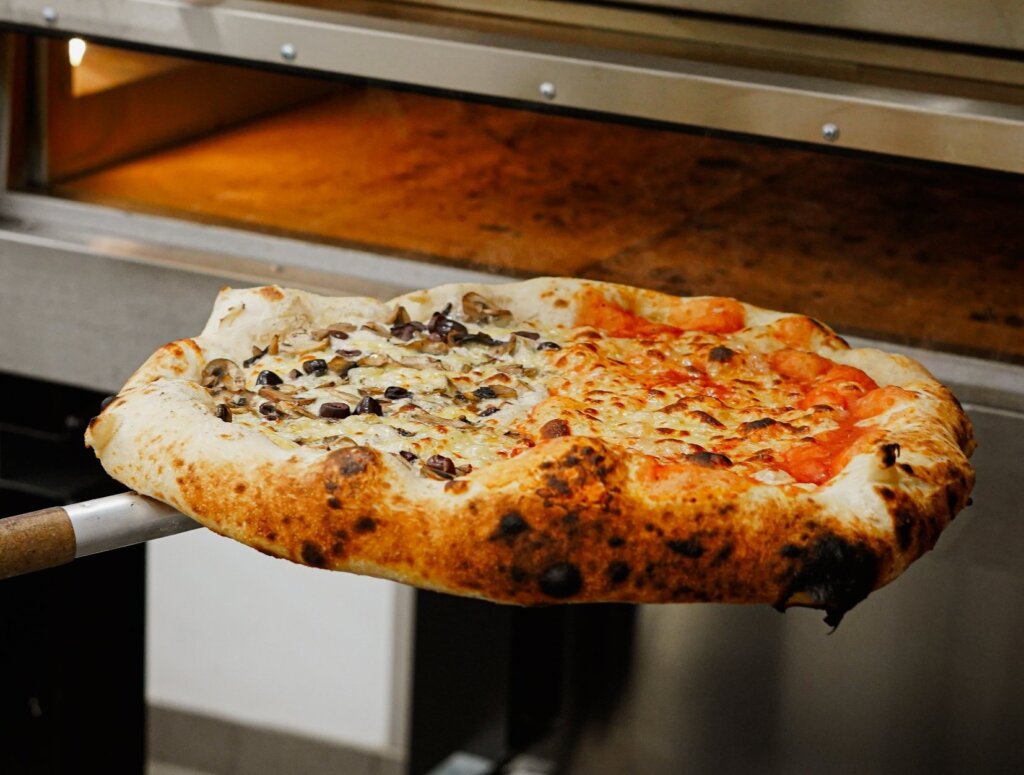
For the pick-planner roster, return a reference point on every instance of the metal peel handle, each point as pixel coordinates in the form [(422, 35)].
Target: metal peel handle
[(52, 537)]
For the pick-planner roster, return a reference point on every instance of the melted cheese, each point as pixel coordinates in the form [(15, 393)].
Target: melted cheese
[(673, 395)]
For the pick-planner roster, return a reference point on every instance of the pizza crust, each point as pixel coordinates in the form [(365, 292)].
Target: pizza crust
[(574, 519)]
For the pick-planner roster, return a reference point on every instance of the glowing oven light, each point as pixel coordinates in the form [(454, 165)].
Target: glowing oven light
[(76, 51)]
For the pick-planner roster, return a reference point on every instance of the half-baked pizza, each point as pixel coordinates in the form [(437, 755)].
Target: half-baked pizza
[(546, 441)]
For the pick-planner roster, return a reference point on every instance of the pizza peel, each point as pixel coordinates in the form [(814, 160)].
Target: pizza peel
[(58, 535)]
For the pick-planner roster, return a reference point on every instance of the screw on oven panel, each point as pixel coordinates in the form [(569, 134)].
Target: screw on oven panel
[(50, 15), (830, 132), (547, 90), (288, 52)]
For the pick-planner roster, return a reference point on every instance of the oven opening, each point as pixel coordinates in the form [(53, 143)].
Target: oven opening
[(920, 254)]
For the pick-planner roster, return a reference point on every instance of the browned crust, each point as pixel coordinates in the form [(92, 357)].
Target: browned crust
[(568, 521)]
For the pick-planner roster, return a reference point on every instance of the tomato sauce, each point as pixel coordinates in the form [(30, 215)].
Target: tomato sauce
[(714, 315), (819, 460)]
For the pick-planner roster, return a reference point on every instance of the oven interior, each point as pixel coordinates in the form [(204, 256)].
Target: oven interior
[(843, 237)]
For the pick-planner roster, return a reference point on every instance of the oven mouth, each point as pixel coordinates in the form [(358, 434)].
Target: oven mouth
[(922, 254)]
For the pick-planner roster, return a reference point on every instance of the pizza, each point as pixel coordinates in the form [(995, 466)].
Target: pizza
[(554, 440)]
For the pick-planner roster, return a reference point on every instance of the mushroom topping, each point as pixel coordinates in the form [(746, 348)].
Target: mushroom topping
[(335, 410), (399, 317), (506, 348), (427, 418), (410, 456), (294, 374), (495, 391), (257, 353), (549, 346), (478, 338), (489, 411), (528, 334), (420, 362), (369, 405), (335, 330), (274, 394), (349, 353), (394, 393), (220, 372), (268, 410), (298, 342), (439, 464), (406, 331), (432, 346), (267, 377), (223, 413), (444, 326), (477, 309), (341, 366), (378, 328)]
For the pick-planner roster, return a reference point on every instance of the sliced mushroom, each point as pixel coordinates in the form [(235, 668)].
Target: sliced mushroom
[(257, 353), (398, 317), (337, 440), (439, 467), (275, 394), (420, 362), (478, 338), (299, 342), (220, 372), (341, 366), (432, 346), (406, 331), (502, 391), (506, 348), (419, 415), (378, 328), (477, 308)]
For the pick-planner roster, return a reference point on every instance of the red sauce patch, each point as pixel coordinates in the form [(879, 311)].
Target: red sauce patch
[(713, 315), (597, 311), (818, 461)]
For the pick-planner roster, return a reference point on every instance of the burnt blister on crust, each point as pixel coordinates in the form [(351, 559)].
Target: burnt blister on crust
[(312, 555), (562, 580), (509, 526), (833, 574), (687, 547), (890, 453)]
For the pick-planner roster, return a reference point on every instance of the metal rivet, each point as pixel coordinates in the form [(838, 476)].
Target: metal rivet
[(50, 15), (830, 132), (547, 90), (288, 52)]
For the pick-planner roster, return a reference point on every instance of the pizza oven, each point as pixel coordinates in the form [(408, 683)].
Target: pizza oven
[(862, 163)]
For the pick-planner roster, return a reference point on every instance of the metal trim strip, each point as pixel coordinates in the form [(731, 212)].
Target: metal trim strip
[(797, 108)]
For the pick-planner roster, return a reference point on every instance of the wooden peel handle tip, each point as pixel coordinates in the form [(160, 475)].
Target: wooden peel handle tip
[(35, 541)]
